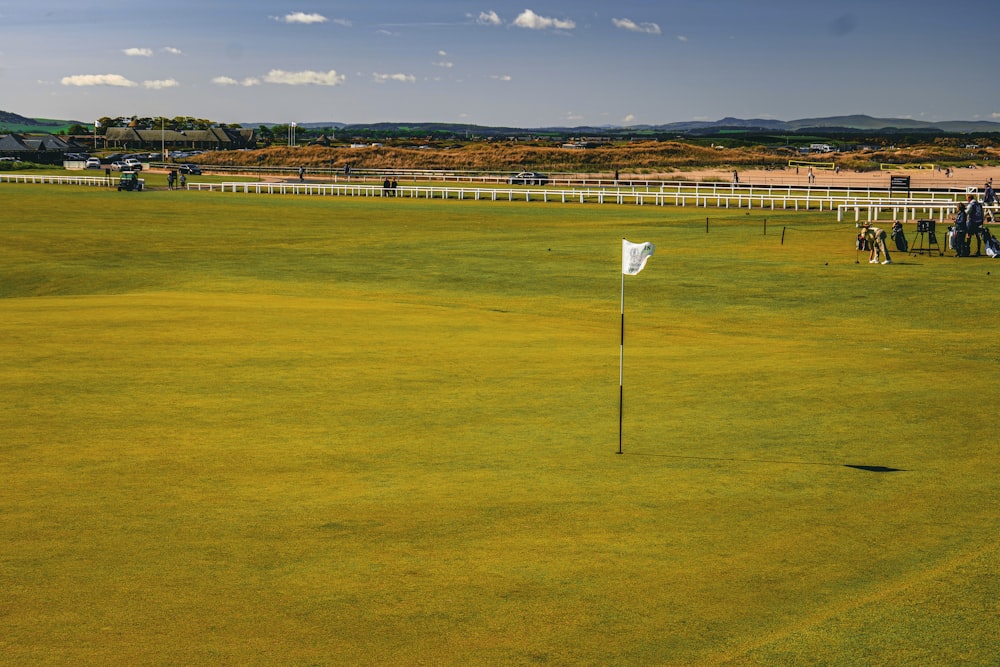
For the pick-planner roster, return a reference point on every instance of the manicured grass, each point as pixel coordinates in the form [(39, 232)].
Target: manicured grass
[(288, 430)]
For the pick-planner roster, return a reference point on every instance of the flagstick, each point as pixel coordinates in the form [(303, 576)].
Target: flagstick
[(634, 256), (621, 357)]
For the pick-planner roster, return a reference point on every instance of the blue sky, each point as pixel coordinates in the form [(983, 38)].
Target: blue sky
[(532, 63)]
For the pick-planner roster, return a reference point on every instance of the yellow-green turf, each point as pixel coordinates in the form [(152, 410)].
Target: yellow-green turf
[(327, 431)]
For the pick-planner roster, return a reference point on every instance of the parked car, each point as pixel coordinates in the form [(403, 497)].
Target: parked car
[(133, 164), (117, 165), (192, 169), (93, 163), (528, 178)]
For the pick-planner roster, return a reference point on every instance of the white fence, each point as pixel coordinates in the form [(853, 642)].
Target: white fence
[(873, 202), (667, 194), (98, 181), (909, 210)]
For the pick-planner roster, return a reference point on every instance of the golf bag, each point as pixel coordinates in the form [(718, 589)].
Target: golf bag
[(958, 242), (990, 243), (899, 237)]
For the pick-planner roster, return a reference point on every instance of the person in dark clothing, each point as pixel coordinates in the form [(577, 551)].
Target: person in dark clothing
[(974, 212), (960, 230)]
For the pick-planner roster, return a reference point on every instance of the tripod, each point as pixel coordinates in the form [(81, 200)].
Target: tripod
[(926, 233)]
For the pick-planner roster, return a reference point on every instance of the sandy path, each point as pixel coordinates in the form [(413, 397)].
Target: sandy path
[(919, 178)]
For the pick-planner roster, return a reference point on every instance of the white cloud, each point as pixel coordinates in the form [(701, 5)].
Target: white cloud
[(250, 81), (145, 53), (501, 77), (628, 118), (172, 51), (444, 63), (403, 78), (489, 18), (682, 38), (160, 85), (443, 54), (98, 80), (573, 116), (995, 114), (629, 24), (225, 81), (305, 78), (531, 20), (301, 17), (343, 22)]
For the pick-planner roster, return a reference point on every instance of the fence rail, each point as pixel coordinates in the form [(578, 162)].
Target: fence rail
[(96, 181), (674, 194), (905, 211), (873, 201)]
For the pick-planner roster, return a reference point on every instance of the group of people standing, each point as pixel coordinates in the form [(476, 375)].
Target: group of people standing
[(969, 226), (172, 178), (969, 223)]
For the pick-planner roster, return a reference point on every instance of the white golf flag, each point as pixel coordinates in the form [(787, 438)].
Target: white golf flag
[(97, 123), (634, 256)]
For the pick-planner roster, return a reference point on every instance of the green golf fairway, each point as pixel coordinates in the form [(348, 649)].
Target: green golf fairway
[(245, 429)]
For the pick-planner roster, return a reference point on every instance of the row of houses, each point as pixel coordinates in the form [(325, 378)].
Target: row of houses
[(43, 149), (50, 148)]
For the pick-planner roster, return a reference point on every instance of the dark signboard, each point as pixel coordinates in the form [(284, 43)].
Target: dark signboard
[(899, 183)]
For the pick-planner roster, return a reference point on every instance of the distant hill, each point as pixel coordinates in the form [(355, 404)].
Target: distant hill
[(12, 122), (849, 123), (8, 118), (829, 124)]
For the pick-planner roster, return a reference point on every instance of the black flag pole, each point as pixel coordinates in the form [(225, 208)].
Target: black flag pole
[(634, 256), (621, 377)]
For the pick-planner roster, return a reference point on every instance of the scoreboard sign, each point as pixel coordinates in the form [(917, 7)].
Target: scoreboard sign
[(899, 183)]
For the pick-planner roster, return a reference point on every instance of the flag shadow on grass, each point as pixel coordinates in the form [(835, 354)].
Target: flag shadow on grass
[(856, 466)]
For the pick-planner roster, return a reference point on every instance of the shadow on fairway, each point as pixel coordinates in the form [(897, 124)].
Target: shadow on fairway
[(797, 463)]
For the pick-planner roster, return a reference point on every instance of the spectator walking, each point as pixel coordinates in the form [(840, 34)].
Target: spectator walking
[(989, 199)]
